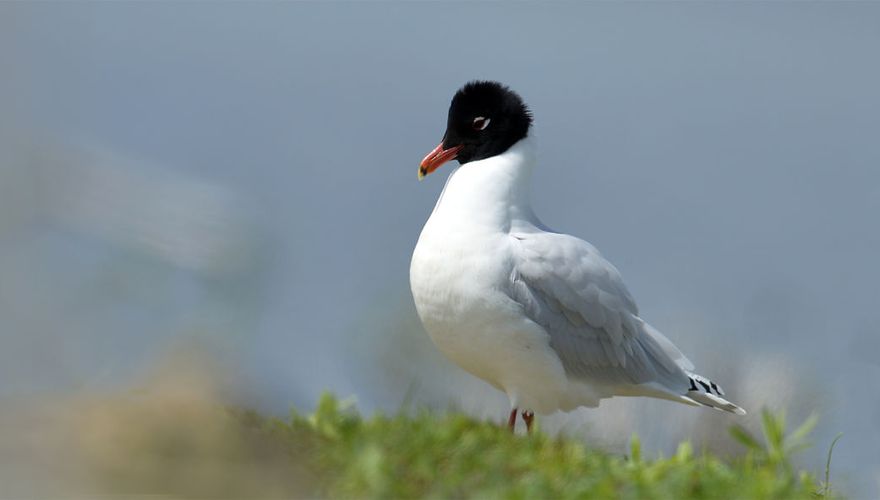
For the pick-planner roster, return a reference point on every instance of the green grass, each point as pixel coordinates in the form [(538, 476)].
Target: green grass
[(451, 455), (176, 445)]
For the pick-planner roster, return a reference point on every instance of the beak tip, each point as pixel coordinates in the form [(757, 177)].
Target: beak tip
[(437, 157)]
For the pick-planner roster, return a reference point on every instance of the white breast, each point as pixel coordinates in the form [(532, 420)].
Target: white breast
[(460, 268)]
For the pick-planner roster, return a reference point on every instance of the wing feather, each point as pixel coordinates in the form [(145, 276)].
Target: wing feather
[(566, 286)]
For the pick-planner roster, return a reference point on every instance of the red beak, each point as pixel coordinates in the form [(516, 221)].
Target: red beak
[(435, 158)]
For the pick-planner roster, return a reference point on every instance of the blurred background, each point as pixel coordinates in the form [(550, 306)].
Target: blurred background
[(230, 189)]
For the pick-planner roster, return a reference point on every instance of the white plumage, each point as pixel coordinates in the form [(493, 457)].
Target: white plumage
[(538, 314)]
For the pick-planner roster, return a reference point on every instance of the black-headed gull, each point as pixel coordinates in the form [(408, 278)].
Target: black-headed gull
[(538, 314)]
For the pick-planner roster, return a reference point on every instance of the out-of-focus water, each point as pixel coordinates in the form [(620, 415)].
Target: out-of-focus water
[(245, 175)]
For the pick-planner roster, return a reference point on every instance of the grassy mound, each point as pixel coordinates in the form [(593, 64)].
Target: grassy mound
[(456, 456), (181, 447)]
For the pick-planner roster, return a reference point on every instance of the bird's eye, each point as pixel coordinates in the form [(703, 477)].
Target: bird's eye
[(481, 123)]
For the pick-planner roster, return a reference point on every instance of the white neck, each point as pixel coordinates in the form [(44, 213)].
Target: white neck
[(490, 193)]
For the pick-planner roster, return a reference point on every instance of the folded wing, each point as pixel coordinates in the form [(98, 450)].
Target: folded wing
[(566, 286)]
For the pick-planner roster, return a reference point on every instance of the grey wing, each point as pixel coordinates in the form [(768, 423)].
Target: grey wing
[(567, 287)]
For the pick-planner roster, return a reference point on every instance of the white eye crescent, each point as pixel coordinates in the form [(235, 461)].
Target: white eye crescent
[(481, 122)]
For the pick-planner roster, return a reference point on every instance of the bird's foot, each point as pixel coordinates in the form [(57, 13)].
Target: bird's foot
[(529, 417), (511, 420)]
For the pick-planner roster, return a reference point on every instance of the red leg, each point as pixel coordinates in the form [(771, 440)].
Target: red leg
[(529, 417), (511, 420)]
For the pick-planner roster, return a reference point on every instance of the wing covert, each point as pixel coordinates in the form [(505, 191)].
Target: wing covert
[(567, 287)]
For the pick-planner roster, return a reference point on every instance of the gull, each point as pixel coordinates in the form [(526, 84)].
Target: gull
[(536, 313)]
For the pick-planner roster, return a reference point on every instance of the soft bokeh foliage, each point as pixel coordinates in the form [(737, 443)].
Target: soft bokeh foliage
[(453, 456), (173, 438)]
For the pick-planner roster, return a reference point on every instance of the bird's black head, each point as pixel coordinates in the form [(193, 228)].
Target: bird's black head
[(485, 119)]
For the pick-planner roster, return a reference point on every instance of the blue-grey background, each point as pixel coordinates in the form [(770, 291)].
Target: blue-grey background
[(245, 175)]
